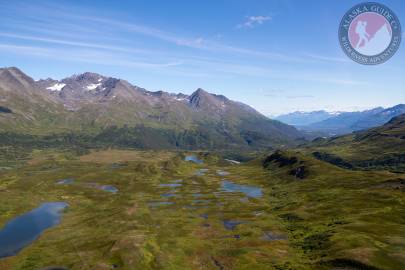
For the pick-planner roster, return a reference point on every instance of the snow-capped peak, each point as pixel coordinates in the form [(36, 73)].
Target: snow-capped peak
[(56, 87)]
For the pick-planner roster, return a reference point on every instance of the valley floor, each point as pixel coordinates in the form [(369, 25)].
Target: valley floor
[(169, 213)]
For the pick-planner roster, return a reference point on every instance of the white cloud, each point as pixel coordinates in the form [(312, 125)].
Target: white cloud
[(195, 43), (253, 21), (327, 58)]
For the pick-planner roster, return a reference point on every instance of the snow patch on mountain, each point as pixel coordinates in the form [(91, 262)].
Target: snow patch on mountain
[(92, 86), (56, 87)]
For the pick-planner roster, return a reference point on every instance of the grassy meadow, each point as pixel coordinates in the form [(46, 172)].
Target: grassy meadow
[(170, 213)]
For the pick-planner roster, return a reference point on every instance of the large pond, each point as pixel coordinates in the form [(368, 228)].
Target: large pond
[(23, 230), (248, 190)]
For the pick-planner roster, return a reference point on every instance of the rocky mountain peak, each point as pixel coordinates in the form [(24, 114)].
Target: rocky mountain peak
[(15, 79), (200, 91), (86, 81), (88, 77), (13, 72), (202, 99)]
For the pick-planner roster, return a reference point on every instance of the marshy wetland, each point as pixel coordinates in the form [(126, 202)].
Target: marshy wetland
[(170, 210)]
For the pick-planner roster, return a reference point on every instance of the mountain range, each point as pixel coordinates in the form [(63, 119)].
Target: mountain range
[(299, 118), (97, 105), (343, 122)]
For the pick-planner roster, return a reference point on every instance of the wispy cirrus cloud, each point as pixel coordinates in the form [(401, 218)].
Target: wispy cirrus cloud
[(195, 43), (85, 56), (300, 96), (105, 39), (253, 21), (81, 25), (72, 43), (327, 58), (189, 67)]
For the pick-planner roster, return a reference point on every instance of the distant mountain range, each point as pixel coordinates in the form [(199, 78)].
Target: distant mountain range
[(342, 122), (305, 118), (114, 110)]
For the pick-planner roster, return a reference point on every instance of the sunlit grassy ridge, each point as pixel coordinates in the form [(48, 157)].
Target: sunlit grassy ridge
[(327, 218), (378, 148), (340, 214)]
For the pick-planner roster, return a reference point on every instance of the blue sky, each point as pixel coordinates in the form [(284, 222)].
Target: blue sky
[(275, 55)]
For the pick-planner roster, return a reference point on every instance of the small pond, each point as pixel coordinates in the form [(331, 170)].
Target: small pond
[(193, 159), (222, 173), (201, 201), (109, 188), (173, 185), (66, 181), (231, 224), (201, 172), (270, 236), (157, 204), (168, 195)]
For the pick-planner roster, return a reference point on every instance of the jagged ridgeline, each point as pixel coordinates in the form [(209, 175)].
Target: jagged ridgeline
[(91, 109)]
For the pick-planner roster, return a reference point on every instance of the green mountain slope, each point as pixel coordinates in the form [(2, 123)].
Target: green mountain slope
[(26, 107), (378, 148), (338, 218)]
